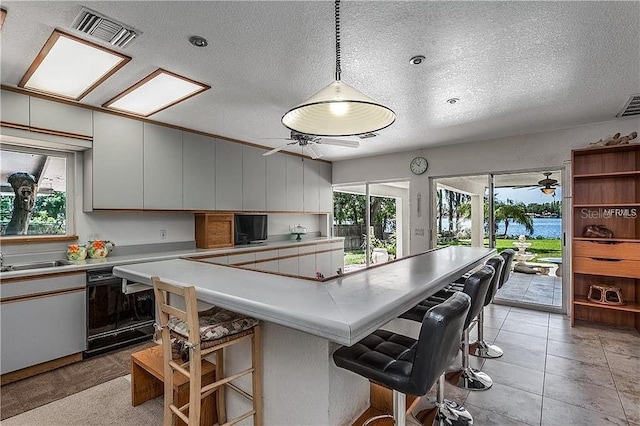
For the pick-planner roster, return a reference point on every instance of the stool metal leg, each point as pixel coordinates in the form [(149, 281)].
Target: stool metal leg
[(469, 378), (481, 348), (450, 413)]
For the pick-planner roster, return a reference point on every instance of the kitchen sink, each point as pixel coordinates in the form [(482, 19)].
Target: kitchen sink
[(34, 265)]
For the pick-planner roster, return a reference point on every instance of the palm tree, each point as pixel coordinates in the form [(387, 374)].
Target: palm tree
[(510, 212)]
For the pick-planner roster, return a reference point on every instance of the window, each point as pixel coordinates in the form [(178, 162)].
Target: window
[(35, 188)]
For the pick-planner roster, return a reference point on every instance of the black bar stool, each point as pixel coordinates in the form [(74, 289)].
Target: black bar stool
[(476, 286), (410, 366)]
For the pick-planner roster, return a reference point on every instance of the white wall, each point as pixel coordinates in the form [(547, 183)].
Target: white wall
[(518, 153)]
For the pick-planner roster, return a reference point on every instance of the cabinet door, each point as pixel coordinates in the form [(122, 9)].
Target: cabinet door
[(337, 261), (14, 107), (307, 265), (42, 329), (270, 266), (276, 165), (198, 172), (311, 193), (117, 180), (288, 266), (323, 264), (60, 117), (324, 187), (253, 179), (162, 167), (228, 176), (295, 188)]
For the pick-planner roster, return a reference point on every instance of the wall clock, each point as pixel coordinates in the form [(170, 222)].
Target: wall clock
[(418, 165)]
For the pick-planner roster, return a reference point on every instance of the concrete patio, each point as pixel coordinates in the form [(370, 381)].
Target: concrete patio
[(544, 290)]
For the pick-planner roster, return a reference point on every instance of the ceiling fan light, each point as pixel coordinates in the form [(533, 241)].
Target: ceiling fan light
[(547, 190), (338, 110)]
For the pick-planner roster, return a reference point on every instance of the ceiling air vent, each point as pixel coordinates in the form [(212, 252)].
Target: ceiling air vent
[(103, 28), (632, 107)]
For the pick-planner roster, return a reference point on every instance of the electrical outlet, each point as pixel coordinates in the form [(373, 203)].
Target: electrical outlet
[(163, 234)]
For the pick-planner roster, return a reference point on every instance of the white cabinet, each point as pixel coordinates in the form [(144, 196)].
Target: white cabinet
[(276, 167), (295, 187), (198, 172), (162, 167), (288, 266), (311, 192), (14, 107), (269, 266), (113, 175), (337, 261), (228, 176), (253, 179), (42, 327), (307, 265), (50, 115), (325, 179)]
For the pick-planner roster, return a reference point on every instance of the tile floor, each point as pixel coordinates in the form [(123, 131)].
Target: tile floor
[(545, 290), (555, 374)]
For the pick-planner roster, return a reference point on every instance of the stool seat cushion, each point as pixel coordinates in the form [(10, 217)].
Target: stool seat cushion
[(215, 323), (383, 357)]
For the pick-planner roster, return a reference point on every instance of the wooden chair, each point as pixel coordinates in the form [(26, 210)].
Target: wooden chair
[(202, 337)]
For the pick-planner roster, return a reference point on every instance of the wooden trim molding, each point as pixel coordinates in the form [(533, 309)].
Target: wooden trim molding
[(37, 239), (42, 276), (55, 35), (14, 376), (41, 295), (46, 131)]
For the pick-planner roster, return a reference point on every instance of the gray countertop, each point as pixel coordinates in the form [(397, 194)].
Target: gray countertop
[(344, 309), (111, 261)]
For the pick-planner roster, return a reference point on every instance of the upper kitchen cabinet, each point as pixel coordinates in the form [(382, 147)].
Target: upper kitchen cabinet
[(198, 172), (253, 179), (59, 117), (228, 176), (276, 165), (295, 176), (162, 168), (311, 186), (324, 186), (113, 176), (15, 108)]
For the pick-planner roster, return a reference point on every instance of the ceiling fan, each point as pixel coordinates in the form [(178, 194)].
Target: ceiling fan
[(308, 142), (547, 184)]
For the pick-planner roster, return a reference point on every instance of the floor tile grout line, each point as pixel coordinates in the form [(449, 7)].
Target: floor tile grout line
[(615, 382)]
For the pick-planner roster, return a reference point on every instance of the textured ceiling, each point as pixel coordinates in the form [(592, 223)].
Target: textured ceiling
[(517, 67)]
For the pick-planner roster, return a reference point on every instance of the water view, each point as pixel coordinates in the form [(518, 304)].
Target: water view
[(542, 227)]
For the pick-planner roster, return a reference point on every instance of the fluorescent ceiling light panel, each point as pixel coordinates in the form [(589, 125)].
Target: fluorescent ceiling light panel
[(71, 67), (156, 92)]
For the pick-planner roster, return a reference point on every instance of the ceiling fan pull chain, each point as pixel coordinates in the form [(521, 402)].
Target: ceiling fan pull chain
[(338, 69)]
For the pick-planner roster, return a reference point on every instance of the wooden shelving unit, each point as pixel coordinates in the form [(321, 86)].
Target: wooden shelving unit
[(606, 192)]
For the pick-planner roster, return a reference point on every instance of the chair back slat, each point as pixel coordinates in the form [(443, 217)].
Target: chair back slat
[(190, 314)]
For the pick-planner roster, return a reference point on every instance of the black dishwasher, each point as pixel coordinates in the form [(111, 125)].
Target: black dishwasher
[(116, 319)]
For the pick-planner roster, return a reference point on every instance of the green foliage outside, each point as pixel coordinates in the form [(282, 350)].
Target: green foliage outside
[(354, 257), (48, 216), (541, 247)]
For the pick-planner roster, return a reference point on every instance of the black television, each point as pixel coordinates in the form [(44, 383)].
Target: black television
[(250, 228)]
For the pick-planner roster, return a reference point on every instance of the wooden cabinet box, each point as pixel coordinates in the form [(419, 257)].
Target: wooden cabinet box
[(606, 192), (214, 230)]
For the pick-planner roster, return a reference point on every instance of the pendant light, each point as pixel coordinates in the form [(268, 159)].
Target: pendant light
[(338, 109)]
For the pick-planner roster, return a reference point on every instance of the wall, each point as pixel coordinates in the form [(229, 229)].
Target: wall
[(518, 153)]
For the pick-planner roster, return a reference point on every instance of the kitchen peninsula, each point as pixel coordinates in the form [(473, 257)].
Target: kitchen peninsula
[(305, 321)]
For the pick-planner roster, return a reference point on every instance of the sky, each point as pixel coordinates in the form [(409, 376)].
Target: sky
[(527, 195)]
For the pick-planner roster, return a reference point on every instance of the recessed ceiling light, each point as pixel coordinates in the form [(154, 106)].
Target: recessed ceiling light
[(198, 41), (159, 90), (70, 67), (453, 100), (417, 60)]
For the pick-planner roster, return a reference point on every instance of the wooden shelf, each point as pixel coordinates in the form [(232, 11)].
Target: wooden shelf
[(629, 307), (632, 173), (597, 150), (607, 240), (607, 205)]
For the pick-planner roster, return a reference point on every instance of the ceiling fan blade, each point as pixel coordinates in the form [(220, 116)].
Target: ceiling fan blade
[(312, 151), (280, 148), (340, 142)]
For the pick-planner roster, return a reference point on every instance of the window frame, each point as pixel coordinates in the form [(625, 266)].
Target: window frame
[(70, 157)]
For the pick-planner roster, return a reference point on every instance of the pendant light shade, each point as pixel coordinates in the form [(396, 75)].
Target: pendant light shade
[(338, 109)]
